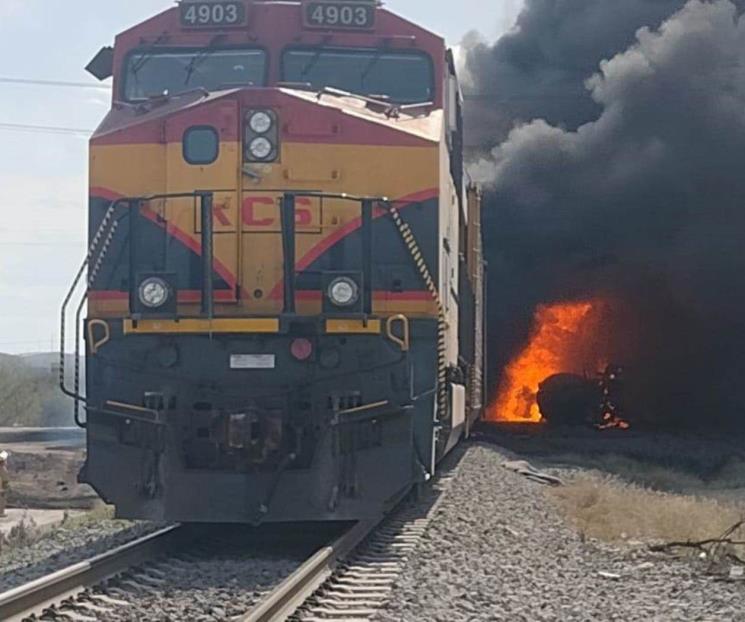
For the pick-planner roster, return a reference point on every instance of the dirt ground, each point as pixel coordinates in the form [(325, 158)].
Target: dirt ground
[(709, 465), (44, 472)]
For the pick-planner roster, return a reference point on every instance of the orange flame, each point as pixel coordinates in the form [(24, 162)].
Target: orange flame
[(560, 334), (612, 422)]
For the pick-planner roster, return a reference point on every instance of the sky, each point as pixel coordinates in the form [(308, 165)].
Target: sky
[(43, 175)]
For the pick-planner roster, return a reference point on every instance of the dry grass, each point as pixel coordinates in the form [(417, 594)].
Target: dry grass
[(27, 533), (726, 475), (99, 512), (20, 535), (607, 508)]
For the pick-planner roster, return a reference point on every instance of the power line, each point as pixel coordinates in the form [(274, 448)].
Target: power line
[(47, 129), (36, 231), (67, 244), (468, 96), (78, 85), (44, 129)]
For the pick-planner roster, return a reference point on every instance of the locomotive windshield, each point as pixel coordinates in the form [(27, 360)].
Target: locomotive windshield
[(152, 73), (401, 77)]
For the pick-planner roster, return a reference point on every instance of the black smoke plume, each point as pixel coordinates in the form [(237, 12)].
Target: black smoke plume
[(539, 69), (623, 178)]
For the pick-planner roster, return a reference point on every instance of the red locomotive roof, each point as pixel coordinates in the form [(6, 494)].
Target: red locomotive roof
[(275, 25), (306, 119)]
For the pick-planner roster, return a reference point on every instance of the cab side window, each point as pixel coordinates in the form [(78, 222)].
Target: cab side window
[(454, 104)]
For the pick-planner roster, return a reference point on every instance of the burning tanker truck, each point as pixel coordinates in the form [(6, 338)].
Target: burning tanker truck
[(572, 399)]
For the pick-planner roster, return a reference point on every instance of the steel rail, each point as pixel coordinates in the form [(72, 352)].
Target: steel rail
[(286, 598), (35, 597)]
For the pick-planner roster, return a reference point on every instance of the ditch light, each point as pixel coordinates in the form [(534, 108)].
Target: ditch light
[(156, 294), (342, 292)]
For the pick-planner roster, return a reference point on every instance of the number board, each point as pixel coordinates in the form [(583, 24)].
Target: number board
[(359, 14), (212, 14)]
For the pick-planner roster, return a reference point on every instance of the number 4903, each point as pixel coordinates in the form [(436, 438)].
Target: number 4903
[(340, 14), (196, 14)]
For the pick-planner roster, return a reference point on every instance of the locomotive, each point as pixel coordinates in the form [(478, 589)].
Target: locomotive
[(284, 290)]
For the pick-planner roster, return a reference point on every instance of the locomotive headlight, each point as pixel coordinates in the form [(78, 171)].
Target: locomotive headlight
[(262, 136), (153, 292), (260, 122), (260, 148), (344, 292)]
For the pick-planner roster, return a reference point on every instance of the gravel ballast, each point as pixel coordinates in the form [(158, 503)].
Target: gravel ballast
[(208, 590), (498, 549), (64, 546), (216, 574)]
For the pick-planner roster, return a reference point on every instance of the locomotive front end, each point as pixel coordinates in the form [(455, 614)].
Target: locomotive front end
[(267, 337)]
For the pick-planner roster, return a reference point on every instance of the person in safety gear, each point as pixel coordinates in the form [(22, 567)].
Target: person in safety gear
[(4, 482)]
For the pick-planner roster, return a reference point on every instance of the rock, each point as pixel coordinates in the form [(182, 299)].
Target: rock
[(737, 573), (525, 468), (547, 573), (609, 575), (62, 547)]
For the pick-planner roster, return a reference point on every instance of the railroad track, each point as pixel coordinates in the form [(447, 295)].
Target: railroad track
[(351, 580), (180, 572), (33, 598), (104, 587), (362, 585), (303, 583), (348, 579)]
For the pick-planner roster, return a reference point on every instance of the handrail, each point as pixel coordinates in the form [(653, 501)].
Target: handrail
[(287, 214), (288, 251), (95, 256), (367, 256), (403, 342), (208, 256), (107, 228)]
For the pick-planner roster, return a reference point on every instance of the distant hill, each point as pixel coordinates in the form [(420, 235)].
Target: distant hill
[(42, 360), (29, 391), (49, 361)]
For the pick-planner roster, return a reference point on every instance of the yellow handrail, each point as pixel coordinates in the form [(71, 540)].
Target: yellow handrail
[(94, 344), (405, 342)]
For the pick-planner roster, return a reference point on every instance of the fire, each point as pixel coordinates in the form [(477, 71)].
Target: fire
[(611, 419), (612, 422), (558, 344)]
